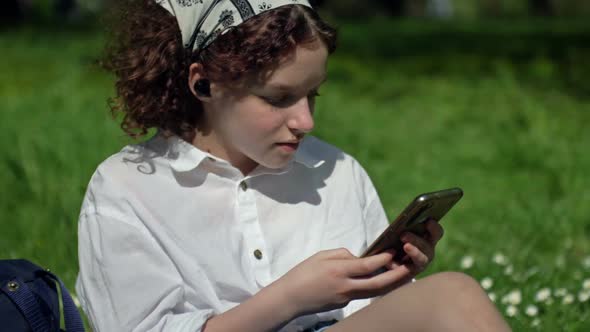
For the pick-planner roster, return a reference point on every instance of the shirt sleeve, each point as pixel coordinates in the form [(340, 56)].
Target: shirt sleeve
[(374, 219), (374, 216), (126, 281)]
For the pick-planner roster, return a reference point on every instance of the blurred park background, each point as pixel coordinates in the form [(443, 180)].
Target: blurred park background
[(492, 96)]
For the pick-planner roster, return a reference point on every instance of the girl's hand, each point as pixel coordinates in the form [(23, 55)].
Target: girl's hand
[(330, 279), (420, 250)]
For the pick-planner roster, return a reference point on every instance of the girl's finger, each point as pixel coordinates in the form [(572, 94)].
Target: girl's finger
[(419, 242), (392, 265), (367, 265), (419, 259), (382, 281), (435, 231)]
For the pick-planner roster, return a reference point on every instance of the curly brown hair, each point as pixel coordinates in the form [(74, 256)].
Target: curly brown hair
[(151, 66)]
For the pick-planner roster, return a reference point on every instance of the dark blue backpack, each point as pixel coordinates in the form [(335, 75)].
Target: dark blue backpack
[(29, 300)]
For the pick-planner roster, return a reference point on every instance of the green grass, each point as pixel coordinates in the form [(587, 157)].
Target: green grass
[(502, 113)]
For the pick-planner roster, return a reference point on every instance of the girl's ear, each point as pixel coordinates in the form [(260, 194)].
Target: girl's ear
[(198, 84)]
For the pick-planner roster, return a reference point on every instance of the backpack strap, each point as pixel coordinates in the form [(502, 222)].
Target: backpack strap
[(72, 318), (20, 293)]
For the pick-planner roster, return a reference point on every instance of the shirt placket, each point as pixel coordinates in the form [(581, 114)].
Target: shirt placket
[(256, 249)]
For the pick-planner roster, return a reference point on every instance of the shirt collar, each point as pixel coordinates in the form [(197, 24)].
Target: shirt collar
[(185, 157)]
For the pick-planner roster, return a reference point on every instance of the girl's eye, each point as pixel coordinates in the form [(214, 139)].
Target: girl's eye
[(278, 102), (285, 101)]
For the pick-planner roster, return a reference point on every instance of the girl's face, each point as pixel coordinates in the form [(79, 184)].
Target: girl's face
[(263, 124)]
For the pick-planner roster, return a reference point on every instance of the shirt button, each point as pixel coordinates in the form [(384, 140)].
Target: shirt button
[(244, 185), (258, 254)]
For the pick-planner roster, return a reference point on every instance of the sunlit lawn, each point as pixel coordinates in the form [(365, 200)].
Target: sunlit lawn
[(506, 119)]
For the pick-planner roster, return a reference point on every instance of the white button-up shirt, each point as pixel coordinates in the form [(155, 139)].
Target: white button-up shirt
[(170, 235)]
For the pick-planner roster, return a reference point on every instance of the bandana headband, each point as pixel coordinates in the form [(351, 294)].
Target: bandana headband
[(201, 21)]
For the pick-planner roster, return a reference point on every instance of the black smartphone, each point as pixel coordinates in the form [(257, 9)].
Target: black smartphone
[(433, 205)]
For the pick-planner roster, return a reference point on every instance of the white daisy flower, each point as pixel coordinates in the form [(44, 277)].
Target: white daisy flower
[(531, 310), (513, 298), (511, 311), (492, 296), (560, 292), (568, 299), (487, 283), (536, 322), (467, 262), (584, 296), (586, 284), (499, 259), (543, 295)]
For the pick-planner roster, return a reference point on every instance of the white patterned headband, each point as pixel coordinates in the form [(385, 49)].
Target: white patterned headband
[(201, 21)]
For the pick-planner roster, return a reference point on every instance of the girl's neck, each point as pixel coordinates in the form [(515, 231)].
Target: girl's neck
[(209, 142)]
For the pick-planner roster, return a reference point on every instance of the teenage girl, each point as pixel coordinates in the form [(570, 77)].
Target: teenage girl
[(231, 217)]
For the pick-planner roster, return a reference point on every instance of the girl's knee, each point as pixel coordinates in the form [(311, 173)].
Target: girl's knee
[(455, 279), (465, 303), (455, 284)]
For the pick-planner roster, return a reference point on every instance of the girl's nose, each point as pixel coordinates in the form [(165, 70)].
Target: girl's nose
[(301, 117)]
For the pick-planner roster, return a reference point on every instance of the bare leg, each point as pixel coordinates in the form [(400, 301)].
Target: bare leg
[(446, 301)]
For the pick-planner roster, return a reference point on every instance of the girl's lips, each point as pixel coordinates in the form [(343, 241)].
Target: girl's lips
[(289, 147)]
